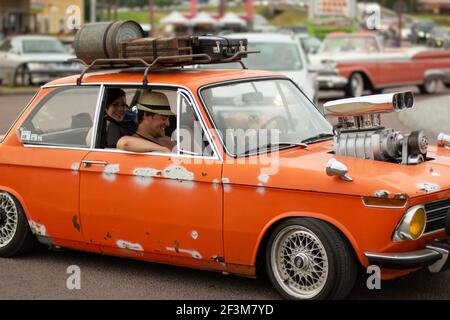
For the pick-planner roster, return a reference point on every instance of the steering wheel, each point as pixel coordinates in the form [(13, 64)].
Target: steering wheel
[(282, 123)]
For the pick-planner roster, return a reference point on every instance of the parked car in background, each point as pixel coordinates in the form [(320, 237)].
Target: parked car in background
[(33, 59), (421, 31), (310, 44), (278, 52), (358, 62), (439, 38)]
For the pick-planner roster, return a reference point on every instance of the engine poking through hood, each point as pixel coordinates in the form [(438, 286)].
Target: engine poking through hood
[(359, 133)]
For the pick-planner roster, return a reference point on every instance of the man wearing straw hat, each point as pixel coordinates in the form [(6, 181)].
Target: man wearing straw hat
[(153, 118)]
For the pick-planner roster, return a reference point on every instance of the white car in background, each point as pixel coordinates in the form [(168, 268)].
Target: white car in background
[(278, 52), (33, 59)]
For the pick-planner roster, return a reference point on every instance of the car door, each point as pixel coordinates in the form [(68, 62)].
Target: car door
[(54, 143), (167, 206)]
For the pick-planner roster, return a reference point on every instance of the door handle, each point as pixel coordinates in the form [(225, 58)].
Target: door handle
[(88, 163)]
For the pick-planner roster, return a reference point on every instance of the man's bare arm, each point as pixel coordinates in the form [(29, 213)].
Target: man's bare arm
[(135, 144)]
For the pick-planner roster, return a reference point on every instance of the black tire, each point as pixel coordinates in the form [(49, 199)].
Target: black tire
[(19, 238), (355, 86), (22, 76), (430, 86), (335, 267), (447, 85)]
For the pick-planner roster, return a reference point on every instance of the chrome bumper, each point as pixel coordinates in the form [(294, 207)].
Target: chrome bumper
[(434, 256), (329, 82)]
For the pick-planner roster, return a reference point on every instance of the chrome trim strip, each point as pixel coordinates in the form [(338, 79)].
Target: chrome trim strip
[(434, 210), (434, 231), (97, 117), (436, 219)]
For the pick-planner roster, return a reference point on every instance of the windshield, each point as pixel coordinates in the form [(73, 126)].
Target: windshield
[(251, 115), (350, 44), (43, 46), (272, 57), (310, 43)]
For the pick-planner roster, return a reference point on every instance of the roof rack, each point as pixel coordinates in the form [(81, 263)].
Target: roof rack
[(160, 63)]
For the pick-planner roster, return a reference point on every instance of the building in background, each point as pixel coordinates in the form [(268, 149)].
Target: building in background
[(58, 17), (435, 6), (16, 17)]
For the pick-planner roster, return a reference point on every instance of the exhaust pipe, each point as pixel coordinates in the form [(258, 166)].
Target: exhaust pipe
[(380, 103)]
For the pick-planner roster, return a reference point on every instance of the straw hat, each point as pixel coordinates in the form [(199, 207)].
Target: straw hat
[(155, 102)]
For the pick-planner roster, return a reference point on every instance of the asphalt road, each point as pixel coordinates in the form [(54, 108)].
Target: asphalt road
[(42, 274)]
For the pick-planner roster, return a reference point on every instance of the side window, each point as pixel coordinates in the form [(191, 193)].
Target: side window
[(64, 118)]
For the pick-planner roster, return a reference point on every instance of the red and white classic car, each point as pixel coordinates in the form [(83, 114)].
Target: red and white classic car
[(358, 62)]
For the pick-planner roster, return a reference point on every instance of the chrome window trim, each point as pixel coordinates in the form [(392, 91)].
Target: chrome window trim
[(180, 88), (97, 117)]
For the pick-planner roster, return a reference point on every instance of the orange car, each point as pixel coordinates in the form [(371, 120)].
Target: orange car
[(257, 178)]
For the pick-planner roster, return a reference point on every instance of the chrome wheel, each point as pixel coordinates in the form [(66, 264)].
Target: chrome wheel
[(299, 262), (8, 219), (357, 85)]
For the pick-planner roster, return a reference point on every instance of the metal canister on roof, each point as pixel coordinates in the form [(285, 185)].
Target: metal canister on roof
[(100, 40)]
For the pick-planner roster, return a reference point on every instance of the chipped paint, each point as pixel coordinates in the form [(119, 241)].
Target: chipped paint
[(75, 223), (129, 245), (219, 260), (175, 171), (75, 166), (109, 173), (225, 180), (434, 173), (143, 181), (227, 188), (147, 172), (429, 187), (263, 178), (108, 236), (194, 235), (144, 176), (195, 254), (37, 228)]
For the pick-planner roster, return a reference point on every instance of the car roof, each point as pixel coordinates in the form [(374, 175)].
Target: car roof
[(190, 78), (264, 37)]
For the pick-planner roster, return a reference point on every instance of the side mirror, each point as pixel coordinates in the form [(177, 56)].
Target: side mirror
[(338, 169)]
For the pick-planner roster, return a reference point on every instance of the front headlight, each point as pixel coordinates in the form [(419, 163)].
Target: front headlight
[(412, 225)]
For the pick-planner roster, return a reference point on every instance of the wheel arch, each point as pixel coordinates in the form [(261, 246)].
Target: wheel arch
[(258, 254), (368, 84), (19, 198)]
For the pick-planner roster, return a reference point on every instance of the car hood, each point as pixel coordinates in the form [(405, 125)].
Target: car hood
[(304, 169)]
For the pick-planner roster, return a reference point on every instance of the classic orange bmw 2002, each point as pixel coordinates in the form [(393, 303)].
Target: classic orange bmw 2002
[(310, 204)]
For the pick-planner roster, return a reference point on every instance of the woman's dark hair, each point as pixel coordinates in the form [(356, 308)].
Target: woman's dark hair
[(112, 95)]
